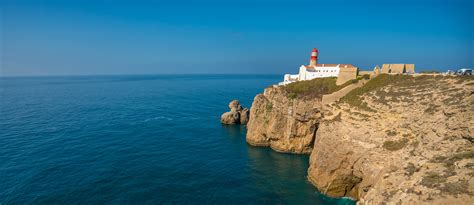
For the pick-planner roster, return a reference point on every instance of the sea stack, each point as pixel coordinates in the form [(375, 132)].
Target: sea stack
[(236, 115)]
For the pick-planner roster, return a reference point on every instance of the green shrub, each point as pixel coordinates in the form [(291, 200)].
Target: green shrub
[(449, 161), (354, 81), (395, 145), (459, 156), (459, 187), (363, 77), (432, 109), (292, 96), (269, 107), (391, 132), (366, 76), (410, 169), (433, 179)]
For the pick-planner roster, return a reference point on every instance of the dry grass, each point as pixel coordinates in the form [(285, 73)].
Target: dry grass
[(314, 88), (395, 88)]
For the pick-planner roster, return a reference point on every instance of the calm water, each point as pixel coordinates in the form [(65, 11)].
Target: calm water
[(139, 140)]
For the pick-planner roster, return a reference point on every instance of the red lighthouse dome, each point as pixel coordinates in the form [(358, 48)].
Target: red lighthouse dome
[(314, 57)]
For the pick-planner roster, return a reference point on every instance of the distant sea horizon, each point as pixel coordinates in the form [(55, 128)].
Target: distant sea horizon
[(140, 139), (294, 71), (144, 74)]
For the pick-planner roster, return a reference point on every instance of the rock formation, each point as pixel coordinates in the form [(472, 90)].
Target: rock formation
[(396, 139), (236, 115), (408, 141), (284, 124), (244, 116)]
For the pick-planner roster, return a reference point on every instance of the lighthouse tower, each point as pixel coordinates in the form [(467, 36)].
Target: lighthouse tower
[(314, 57)]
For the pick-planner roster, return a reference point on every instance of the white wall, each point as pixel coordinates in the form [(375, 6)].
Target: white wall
[(320, 72), (304, 74)]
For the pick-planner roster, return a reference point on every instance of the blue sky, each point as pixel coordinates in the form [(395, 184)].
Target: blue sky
[(51, 37)]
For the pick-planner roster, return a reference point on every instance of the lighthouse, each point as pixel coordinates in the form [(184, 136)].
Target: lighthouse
[(343, 72), (314, 57)]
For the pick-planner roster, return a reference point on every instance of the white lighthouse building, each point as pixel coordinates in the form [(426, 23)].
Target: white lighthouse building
[(315, 70)]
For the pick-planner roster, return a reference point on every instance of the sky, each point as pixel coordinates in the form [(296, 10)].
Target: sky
[(103, 37)]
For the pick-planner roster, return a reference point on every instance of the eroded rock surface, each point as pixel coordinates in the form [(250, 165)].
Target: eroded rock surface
[(282, 123), (408, 142), (396, 139)]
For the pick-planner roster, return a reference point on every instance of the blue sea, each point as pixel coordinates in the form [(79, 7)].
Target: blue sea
[(152, 139)]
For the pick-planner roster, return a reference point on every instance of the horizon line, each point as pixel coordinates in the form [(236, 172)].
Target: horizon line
[(133, 74)]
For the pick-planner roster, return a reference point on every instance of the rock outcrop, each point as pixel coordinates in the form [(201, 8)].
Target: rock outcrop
[(282, 123), (408, 141), (236, 115), (396, 139)]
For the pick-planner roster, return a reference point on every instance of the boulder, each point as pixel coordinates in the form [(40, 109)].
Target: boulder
[(230, 118), (234, 105), (236, 115)]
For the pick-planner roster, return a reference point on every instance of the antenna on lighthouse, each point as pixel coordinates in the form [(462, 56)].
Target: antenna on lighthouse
[(314, 57)]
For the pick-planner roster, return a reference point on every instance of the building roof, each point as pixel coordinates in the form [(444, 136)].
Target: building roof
[(330, 65)]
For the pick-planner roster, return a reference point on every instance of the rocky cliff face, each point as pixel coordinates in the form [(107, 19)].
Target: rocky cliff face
[(395, 139), (284, 124), (406, 140)]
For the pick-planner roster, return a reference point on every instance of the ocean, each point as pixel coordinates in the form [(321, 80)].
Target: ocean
[(151, 139)]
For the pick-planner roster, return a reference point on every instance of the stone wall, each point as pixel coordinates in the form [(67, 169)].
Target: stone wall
[(398, 68), (346, 74), (410, 68)]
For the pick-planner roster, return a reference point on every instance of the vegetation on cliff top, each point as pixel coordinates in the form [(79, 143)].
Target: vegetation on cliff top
[(316, 87), (354, 98)]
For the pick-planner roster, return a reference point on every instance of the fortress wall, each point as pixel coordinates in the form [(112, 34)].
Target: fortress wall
[(410, 68), (397, 68), (346, 74), (385, 68)]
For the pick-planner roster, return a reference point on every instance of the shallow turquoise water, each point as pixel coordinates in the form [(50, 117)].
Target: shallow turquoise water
[(139, 140)]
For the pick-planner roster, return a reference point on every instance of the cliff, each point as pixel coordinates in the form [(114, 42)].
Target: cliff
[(285, 125), (286, 118), (395, 139)]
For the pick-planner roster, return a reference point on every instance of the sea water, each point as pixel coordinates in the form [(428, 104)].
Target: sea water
[(153, 139)]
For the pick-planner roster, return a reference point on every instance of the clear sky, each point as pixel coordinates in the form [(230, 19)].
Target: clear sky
[(52, 37)]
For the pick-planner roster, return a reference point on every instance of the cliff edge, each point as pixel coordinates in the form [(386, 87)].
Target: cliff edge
[(394, 139), (398, 139), (283, 124), (286, 118)]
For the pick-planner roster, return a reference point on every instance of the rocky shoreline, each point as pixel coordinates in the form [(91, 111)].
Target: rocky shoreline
[(394, 139)]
